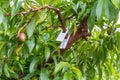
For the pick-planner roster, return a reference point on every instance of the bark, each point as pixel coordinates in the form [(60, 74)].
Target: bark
[(82, 32)]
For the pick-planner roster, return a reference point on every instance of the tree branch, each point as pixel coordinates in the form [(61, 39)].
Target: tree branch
[(82, 32), (58, 12), (69, 17), (46, 28)]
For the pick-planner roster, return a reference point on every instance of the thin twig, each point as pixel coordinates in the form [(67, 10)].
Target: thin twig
[(46, 28), (58, 12), (69, 17)]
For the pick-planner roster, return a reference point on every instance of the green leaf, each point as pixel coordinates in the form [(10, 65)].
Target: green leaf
[(0, 70), (5, 23), (77, 72), (20, 66), (28, 76), (30, 28), (33, 64), (67, 76), (31, 44), (109, 10), (91, 19), (11, 49), (6, 70), (118, 26), (45, 37), (1, 16), (76, 6), (3, 52), (53, 45), (60, 65), (58, 78), (118, 40), (47, 53), (16, 7), (99, 9), (13, 74), (100, 73), (44, 74), (116, 3), (107, 73)]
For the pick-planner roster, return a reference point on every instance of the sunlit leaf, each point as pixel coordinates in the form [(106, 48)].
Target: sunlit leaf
[(57, 78), (116, 3), (100, 73), (67, 76), (91, 19), (77, 72), (95, 45), (53, 45), (5, 23), (30, 28), (75, 29), (15, 8), (60, 65), (3, 52), (6, 70), (109, 10), (118, 40), (1, 16), (31, 44), (34, 64), (40, 20), (44, 74), (118, 25), (75, 7), (46, 37), (28, 76), (47, 53), (13, 74), (99, 9)]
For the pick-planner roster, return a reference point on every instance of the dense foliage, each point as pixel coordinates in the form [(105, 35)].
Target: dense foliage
[(28, 46)]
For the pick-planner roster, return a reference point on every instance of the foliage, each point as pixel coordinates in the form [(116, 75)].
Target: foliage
[(96, 58)]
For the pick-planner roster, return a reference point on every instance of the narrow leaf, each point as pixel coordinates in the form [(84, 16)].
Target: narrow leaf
[(67, 76), (30, 28), (33, 64), (5, 23), (77, 72), (47, 53), (44, 74), (0, 70), (20, 66), (13, 74), (6, 70), (31, 44), (15, 8), (118, 40), (91, 19), (99, 9), (41, 19), (60, 65), (109, 10), (56, 47), (116, 3), (75, 29), (28, 76), (1, 16)]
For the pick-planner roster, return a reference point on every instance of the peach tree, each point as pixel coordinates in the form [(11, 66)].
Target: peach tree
[(59, 40)]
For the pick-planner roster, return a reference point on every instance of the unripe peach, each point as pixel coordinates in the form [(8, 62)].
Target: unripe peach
[(22, 37)]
